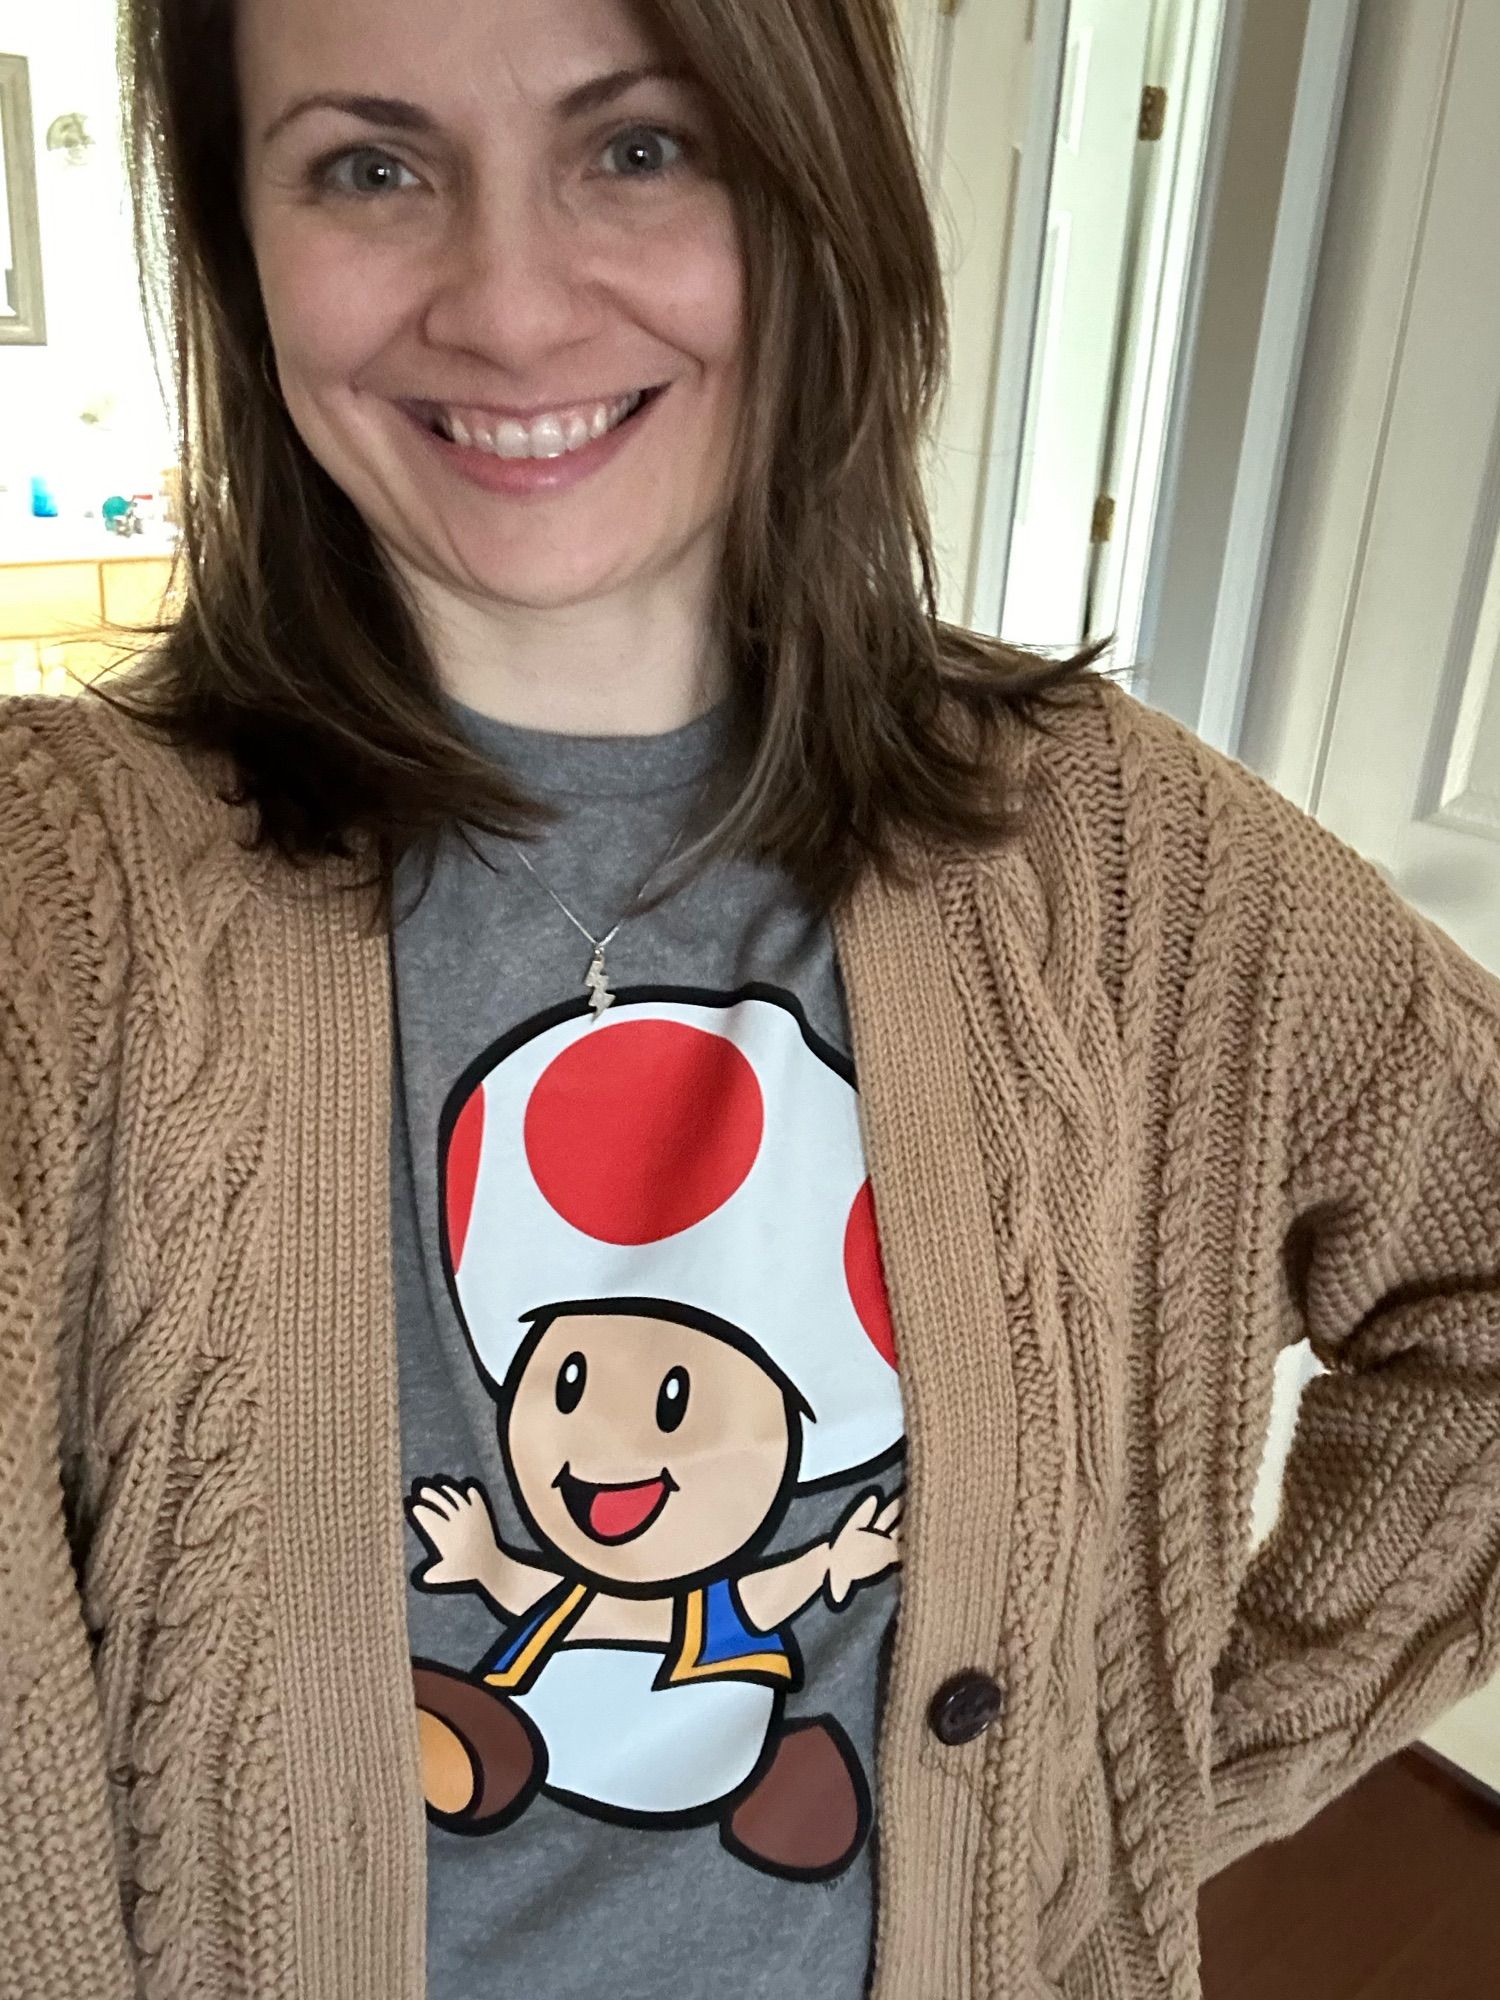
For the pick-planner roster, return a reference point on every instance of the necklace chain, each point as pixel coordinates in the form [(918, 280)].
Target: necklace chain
[(596, 981)]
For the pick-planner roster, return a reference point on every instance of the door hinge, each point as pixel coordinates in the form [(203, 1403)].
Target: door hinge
[(1104, 518), (1153, 111)]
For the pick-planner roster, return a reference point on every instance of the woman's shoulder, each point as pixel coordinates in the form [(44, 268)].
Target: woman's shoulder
[(83, 744), (1209, 865), (100, 818), (1149, 782), (56, 769), (83, 783)]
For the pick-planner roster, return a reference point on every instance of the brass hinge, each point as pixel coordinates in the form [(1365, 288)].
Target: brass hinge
[(1104, 518), (1153, 111)]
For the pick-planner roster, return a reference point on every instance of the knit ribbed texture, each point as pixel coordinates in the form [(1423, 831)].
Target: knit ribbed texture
[(1174, 1081)]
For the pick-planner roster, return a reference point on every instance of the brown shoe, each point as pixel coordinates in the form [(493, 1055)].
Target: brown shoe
[(483, 1761), (809, 1812)]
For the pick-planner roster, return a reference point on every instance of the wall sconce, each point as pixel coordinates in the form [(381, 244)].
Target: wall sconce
[(70, 136)]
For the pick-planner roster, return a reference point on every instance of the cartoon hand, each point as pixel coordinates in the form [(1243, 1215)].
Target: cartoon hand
[(455, 1523), (867, 1544)]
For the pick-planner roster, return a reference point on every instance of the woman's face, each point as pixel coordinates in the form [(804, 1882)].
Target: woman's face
[(475, 239)]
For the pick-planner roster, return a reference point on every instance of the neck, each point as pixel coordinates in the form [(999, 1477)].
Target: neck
[(639, 663)]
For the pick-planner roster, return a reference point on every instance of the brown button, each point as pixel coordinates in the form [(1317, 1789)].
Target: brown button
[(964, 1708)]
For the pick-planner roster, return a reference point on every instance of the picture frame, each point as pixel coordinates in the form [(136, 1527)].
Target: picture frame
[(23, 318)]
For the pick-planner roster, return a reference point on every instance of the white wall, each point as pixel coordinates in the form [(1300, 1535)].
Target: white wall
[(96, 353)]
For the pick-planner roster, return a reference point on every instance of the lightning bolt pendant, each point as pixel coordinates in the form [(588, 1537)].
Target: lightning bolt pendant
[(597, 982)]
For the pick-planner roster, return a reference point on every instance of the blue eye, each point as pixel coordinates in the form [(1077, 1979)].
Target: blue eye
[(645, 143), (365, 171)]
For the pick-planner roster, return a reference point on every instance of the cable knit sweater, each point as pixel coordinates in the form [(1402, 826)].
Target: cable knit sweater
[(1173, 1081)]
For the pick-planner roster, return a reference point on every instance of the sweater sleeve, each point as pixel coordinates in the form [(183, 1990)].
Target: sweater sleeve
[(62, 1931), (1374, 1604)]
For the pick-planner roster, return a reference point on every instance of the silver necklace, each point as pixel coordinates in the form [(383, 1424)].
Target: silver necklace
[(596, 980)]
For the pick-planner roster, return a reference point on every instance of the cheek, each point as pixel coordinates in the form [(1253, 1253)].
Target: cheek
[(689, 289), (331, 301)]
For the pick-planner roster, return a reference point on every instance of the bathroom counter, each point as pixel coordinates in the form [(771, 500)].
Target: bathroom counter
[(23, 543)]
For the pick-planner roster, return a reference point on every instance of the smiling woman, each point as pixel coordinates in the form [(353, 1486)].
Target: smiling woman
[(595, 1426)]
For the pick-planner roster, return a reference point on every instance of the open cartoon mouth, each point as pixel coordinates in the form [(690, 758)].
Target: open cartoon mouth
[(615, 1514)]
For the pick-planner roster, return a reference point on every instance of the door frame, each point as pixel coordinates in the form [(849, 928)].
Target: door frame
[(1015, 345), (1190, 48)]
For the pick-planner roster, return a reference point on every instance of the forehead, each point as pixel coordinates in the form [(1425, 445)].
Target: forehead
[(480, 52)]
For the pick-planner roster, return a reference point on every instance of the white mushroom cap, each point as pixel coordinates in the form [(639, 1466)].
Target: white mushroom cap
[(707, 1155)]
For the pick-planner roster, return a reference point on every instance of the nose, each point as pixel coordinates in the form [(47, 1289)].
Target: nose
[(512, 284)]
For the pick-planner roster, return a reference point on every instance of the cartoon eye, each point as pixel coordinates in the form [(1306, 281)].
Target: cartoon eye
[(672, 1400), (571, 1378)]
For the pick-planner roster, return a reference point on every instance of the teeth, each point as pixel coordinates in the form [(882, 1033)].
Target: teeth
[(549, 436)]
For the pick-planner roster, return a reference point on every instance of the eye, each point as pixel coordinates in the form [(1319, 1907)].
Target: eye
[(672, 1400), (643, 146), (365, 171), (571, 1380)]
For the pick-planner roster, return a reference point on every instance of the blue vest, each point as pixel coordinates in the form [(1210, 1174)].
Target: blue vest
[(711, 1640)]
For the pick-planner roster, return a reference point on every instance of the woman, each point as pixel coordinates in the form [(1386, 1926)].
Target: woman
[(470, 992)]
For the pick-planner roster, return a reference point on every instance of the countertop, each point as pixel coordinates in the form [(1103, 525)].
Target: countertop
[(23, 543)]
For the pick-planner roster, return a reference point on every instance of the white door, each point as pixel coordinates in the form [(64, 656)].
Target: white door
[(1072, 369), (1393, 630), (977, 78)]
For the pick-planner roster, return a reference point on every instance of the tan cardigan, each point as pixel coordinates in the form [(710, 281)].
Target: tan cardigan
[(1173, 1082)]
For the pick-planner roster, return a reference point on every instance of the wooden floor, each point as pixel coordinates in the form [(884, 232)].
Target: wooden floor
[(1391, 1893)]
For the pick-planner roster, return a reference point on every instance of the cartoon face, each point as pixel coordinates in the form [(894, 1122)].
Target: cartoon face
[(644, 1451)]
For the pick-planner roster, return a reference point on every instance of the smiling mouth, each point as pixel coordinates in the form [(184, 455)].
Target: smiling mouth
[(549, 435), (614, 1514)]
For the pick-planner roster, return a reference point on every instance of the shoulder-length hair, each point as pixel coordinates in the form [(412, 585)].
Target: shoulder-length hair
[(859, 715)]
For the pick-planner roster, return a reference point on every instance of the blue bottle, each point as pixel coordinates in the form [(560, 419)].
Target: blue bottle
[(43, 500)]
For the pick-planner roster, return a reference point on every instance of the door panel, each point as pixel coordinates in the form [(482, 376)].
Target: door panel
[(1072, 366), (974, 74)]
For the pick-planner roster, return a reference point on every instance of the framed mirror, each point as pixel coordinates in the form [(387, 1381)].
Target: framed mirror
[(23, 320)]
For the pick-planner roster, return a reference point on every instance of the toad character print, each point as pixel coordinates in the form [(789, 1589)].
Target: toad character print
[(660, 1241)]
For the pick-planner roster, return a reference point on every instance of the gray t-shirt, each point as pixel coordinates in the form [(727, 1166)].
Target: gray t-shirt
[(651, 1421)]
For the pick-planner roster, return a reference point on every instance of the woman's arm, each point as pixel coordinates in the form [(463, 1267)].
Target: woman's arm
[(1374, 1605), (62, 1928)]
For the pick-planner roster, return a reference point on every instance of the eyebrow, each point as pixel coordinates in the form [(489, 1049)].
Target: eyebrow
[(408, 117)]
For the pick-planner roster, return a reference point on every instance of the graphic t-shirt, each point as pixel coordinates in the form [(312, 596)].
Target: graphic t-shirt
[(650, 1413)]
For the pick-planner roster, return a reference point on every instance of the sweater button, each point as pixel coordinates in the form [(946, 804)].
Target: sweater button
[(964, 1708)]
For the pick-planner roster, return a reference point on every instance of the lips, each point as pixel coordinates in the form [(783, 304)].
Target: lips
[(614, 1514)]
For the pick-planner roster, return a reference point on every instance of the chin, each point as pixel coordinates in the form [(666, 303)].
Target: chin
[(547, 581), (527, 591)]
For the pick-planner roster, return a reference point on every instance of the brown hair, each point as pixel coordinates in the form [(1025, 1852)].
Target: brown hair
[(859, 714)]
